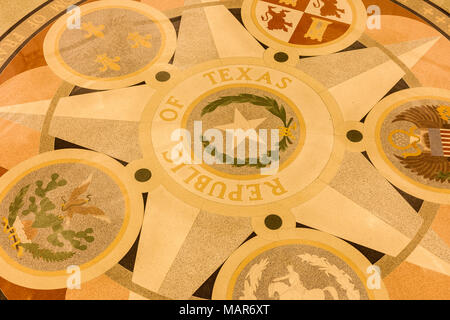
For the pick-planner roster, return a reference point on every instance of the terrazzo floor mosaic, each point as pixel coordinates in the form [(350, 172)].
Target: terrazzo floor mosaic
[(234, 149)]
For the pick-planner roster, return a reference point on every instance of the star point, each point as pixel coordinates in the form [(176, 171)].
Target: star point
[(240, 122)]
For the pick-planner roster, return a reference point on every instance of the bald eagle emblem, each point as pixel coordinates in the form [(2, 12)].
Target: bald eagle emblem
[(426, 151)]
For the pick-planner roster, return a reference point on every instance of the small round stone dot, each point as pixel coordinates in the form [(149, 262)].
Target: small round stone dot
[(273, 222), (162, 76), (143, 175), (354, 136), (281, 57)]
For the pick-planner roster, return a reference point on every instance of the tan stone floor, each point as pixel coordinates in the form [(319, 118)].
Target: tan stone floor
[(357, 207)]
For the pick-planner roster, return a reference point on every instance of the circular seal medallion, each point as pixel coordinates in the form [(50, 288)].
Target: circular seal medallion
[(241, 138), (310, 27), (302, 264), (62, 209), (111, 44), (409, 141)]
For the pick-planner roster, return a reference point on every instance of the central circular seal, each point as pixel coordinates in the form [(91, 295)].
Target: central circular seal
[(257, 111), (238, 137)]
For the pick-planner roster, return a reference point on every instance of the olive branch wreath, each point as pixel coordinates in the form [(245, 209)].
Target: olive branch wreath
[(252, 280), (341, 277), (269, 104)]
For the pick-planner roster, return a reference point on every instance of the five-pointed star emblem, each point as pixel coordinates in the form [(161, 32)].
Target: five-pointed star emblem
[(240, 122)]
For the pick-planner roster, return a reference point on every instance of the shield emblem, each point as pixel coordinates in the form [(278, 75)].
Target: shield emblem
[(304, 22), (439, 142)]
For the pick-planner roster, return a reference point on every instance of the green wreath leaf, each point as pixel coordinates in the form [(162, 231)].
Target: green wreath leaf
[(17, 204), (443, 176), (250, 162), (46, 254), (270, 104)]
